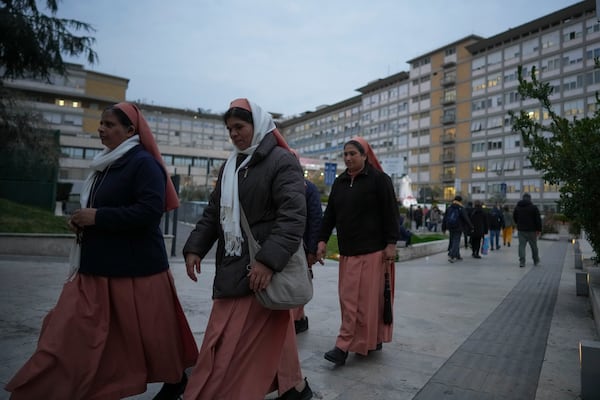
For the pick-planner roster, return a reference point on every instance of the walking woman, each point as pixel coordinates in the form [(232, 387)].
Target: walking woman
[(243, 342), (362, 207), (117, 324)]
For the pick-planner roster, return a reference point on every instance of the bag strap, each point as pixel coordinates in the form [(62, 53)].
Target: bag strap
[(252, 243)]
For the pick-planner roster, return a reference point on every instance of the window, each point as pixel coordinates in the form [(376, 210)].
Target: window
[(494, 58), (531, 186), (478, 147), (478, 63), (478, 125), (573, 108), (495, 122), (592, 78), (530, 47), (512, 52), (495, 165), (494, 80), (573, 82), (450, 51), (478, 166), (572, 32), (550, 40), (512, 164), (551, 64), (495, 144), (572, 57), (592, 26), (592, 53), (512, 142), (478, 84)]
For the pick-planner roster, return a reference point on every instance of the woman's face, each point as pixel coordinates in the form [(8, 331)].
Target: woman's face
[(240, 132), (354, 160), (112, 132)]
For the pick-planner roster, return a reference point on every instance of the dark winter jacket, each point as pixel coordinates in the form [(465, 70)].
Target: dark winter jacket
[(126, 239), (527, 217), (364, 212), (480, 222), (314, 216), (496, 219), (464, 222), (272, 194)]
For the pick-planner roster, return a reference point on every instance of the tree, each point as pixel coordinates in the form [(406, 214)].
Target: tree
[(32, 43), (566, 151)]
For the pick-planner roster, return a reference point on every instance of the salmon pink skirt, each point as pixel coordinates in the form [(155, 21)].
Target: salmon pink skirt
[(241, 351), (106, 338)]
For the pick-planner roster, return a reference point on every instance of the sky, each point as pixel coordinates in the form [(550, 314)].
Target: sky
[(288, 56)]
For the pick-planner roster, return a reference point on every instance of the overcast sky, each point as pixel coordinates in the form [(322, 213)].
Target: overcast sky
[(287, 56)]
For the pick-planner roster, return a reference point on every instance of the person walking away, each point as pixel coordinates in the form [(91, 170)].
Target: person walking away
[(496, 222), (118, 323), (469, 209), (507, 231), (418, 216), (527, 218), (314, 215), (243, 343), (362, 208), (480, 227), (456, 221)]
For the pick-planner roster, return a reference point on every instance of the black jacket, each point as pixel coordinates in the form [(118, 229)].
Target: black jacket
[(527, 217), (479, 221), (464, 222), (130, 200), (363, 211), (272, 194)]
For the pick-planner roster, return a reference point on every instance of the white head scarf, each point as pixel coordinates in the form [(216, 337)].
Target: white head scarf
[(230, 201)]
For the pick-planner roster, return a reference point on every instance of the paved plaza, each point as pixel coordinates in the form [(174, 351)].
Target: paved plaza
[(475, 329)]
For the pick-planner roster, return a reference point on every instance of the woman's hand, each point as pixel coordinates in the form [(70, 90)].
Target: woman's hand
[(83, 217), (321, 251), (259, 276), (389, 253), (192, 265)]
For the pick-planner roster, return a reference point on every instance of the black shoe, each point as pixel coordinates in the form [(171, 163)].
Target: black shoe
[(293, 394), (476, 256), (521, 266), (336, 356), (301, 325), (459, 258), (377, 348), (172, 391), (508, 244)]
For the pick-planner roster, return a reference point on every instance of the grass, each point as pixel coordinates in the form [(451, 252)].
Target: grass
[(332, 245), (19, 218)]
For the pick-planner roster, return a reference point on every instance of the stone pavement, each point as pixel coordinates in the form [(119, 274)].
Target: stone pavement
[(475, 329)]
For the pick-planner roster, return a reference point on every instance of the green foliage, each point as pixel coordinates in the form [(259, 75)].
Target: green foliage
[(17, 218), (566, 151), (32, 43)]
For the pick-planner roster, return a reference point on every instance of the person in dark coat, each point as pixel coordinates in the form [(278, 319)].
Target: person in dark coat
[(264, 179), (456, 230), (469, 210), (529, 224), (495, 223), (480, 227)]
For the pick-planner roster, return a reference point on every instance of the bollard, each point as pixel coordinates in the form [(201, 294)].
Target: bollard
[(589, 361), (581, 284)]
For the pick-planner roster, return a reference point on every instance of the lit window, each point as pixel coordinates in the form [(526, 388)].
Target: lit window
[(76, 104), (60, 102)]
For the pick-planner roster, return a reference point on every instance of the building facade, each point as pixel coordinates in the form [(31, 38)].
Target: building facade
[(193, 144), (446, 120)]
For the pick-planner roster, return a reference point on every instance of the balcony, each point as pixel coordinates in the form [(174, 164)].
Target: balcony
[(448, 119), (448, 80), (447, 177), (447, 138), (447, 157), (448, 99)]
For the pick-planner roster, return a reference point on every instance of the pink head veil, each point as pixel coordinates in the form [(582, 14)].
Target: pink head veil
[(371, 158), (147, 140)]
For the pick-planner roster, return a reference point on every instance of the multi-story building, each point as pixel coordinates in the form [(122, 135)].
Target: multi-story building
[(447, 118), (193, 144)]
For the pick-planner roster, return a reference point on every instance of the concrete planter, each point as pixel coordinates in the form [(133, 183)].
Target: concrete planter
[(421, 249), (45, 244)]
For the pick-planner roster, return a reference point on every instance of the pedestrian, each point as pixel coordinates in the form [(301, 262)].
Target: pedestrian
[(469, 209), (418, 216), (496, 223), (435, 218), (480, 227), (314, 215), (118, 324), (244, 341), (405, 234), (507, 231), (456, 221), (362, 208), (527, 218)]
